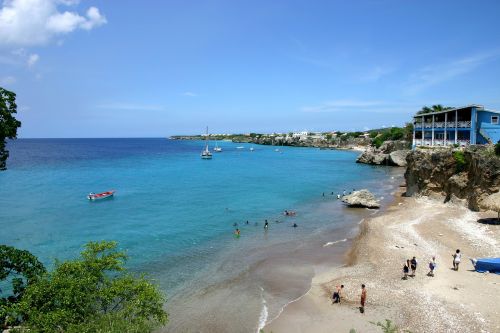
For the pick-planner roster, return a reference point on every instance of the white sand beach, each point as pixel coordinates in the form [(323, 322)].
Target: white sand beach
[(451, 301)]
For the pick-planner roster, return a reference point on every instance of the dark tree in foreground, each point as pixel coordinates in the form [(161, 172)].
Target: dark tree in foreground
[(8, 124)]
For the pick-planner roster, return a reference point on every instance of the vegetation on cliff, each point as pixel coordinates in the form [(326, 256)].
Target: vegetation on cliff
[(93, 293), (8, 123)]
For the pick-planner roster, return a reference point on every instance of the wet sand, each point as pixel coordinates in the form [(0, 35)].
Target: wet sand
[(451, 301)]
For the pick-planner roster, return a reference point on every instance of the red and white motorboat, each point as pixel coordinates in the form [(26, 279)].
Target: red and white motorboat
[(98, 196)]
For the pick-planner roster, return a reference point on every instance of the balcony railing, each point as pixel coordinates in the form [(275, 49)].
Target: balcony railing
[(449, 124), (441, 142)]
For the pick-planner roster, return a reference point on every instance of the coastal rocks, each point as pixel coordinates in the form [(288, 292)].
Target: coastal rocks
[(466, 176), (361, 198), (390, 153), (372, 157), (398, 158)]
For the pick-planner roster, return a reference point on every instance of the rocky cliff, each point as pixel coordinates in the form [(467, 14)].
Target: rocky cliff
[(390, 153), (465, 176)]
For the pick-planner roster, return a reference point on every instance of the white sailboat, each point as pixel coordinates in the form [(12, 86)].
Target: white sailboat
[(217, 149), (206, 154)]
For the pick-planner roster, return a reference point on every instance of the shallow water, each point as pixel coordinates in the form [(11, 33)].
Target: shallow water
[(174, 213)]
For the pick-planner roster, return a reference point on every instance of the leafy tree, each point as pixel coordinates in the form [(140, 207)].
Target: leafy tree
[(18, 269), (497, 148), (434, 108), (93, 293), (8, 124)]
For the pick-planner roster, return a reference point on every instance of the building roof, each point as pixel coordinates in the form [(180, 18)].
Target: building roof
[(479, 107)]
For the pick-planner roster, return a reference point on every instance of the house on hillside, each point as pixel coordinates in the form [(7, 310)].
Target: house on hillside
[(468, 125)]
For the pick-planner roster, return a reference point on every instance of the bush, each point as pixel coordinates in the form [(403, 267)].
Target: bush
[(92, 294), (497, 148), (459, 160)]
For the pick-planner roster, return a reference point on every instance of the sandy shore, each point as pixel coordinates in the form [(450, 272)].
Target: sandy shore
[(451, 301)]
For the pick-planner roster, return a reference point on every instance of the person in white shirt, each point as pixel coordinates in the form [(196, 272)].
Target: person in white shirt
[(457, 257)]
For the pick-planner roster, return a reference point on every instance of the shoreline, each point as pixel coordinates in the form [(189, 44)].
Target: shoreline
[(407, 227)]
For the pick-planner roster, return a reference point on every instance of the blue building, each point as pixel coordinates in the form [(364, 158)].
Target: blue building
[(468, 125)]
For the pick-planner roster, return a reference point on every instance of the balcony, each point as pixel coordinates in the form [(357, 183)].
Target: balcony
[(441, 142), (442, 124)]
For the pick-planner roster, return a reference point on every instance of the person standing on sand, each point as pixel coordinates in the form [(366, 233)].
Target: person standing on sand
[(413, 266), (457, 257), (363, 298), (337, 294), (432, 266)]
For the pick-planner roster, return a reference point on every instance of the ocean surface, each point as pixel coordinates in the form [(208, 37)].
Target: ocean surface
[(174, 214)]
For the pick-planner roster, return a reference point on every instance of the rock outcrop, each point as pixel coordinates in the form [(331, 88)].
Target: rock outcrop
[(390, 153), (465, 176), (361, 198)]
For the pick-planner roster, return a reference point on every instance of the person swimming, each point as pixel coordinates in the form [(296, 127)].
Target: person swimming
[(235, 224), (237, 232), (246, 222), (295, 225), (266, 225)]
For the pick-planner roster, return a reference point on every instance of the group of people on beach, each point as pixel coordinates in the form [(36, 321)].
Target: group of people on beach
[(337, 296), (412, 265)]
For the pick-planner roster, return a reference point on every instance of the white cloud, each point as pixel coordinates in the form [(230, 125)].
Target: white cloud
[(33, 59), (36, 22), (340, 105), (130, 107), (190, 94), (435, 74), (7, 80), (358, 105), (375, 73)]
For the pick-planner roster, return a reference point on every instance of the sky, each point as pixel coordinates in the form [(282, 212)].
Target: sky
[(123, 68)]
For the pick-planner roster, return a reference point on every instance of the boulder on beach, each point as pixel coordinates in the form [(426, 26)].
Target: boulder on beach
[(361, 198), (398, 157)]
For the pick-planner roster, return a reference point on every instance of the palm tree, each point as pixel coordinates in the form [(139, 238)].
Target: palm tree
[(434, 108)]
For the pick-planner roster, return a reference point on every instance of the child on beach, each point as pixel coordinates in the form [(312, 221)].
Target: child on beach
[(406, 269), (363, 299), (457, 257), (432, 266), (337, 294)]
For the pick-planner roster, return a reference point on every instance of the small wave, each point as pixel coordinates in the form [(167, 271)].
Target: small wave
[(263, 312), (335, 242)]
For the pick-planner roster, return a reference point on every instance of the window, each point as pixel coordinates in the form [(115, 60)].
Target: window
[(494, 119)]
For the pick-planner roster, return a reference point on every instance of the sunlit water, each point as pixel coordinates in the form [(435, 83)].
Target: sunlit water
[(174, 213)]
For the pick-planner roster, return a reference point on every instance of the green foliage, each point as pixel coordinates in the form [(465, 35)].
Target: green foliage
[(459, 160), (8, 124), (393, 133), (18, 269), (497, 148), (434, 108), (388, 327), (328, 136), (93, 293)]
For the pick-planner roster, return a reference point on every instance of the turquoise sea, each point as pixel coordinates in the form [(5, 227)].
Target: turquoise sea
[(174, 214)]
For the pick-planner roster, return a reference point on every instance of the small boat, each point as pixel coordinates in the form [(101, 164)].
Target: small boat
[(276, 150), (206, 154), (99, 196), (251, 149), (491, 265), (240, 147), (217, 149)]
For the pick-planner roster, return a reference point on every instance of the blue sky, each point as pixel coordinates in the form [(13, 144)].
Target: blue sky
[(157, 68)]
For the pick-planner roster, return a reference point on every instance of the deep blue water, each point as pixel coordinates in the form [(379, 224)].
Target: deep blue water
[(173, 212)]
